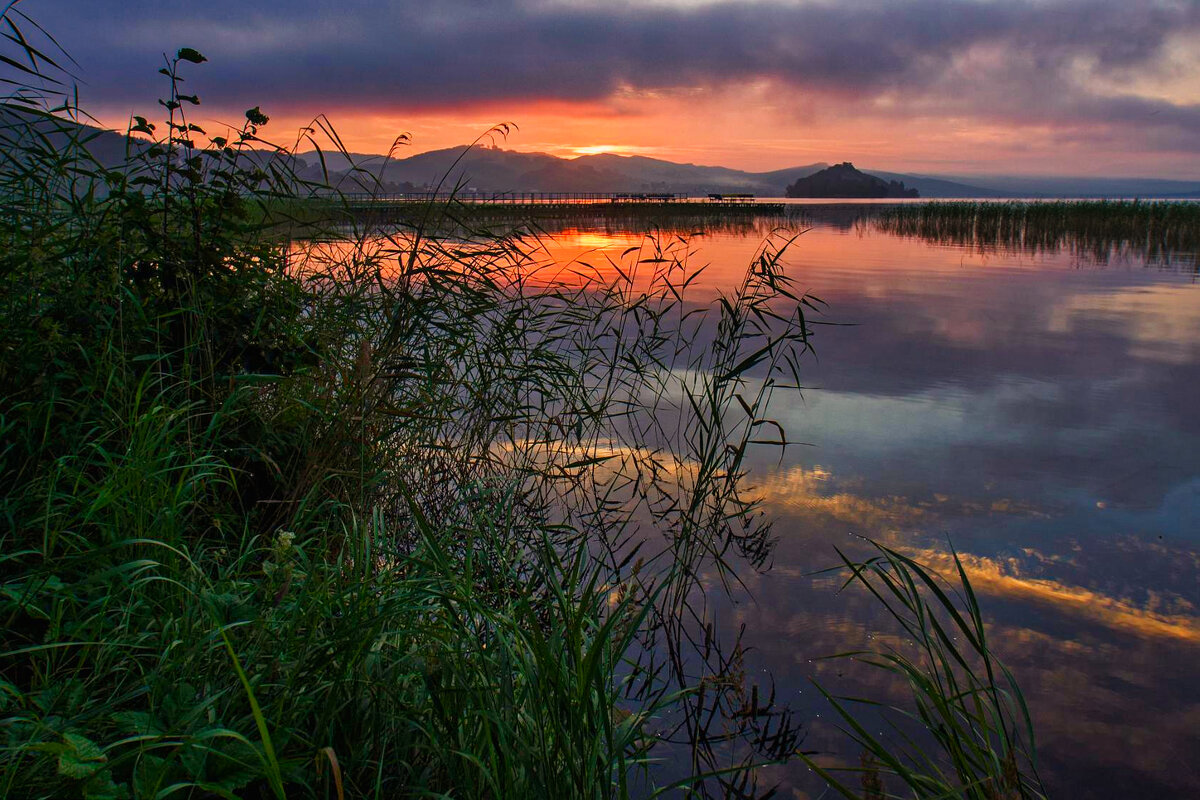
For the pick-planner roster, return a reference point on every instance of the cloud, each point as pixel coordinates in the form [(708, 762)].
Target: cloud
[(1062, 61)]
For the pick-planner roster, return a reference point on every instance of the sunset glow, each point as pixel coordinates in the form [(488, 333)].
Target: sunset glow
[(615, 149), (505, 399), (1063, 87)]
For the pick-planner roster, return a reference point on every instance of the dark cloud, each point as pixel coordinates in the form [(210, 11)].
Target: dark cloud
[(313, 55)]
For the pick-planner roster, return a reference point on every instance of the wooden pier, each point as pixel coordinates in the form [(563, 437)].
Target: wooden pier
[(559, 203)]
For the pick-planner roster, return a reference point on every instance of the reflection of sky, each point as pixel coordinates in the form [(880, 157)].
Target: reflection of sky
[(1041, 413)]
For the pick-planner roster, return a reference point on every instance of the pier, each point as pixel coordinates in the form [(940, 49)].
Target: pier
[(559, 203)]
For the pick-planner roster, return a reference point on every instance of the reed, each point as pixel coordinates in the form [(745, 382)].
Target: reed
[(1158, 232), (359, 515), (966, 731), (380, 512)]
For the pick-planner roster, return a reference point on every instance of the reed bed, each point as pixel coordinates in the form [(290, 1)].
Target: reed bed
[(1158, 232)]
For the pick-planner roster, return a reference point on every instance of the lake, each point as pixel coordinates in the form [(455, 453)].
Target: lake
[(1036, 409)]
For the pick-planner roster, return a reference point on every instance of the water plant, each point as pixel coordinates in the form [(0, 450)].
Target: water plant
[(376, 511), (1158, 232), (965, 731), (397, 512)]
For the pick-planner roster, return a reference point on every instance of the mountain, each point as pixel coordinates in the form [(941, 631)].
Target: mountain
[(22, 126), (843, 180), (929, 186), (24, 129), (496, 170), (667, 176), (1068, 186)]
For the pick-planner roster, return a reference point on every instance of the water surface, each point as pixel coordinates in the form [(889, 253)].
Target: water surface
[(1038, 410)]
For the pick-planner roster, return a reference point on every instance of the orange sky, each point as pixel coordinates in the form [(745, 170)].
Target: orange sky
[(749, 128), (1066, 87)]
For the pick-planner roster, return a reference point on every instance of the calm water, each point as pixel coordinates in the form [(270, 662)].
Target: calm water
[(1040, 411)]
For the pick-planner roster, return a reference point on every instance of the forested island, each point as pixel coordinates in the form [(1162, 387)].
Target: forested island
[(843, 180)]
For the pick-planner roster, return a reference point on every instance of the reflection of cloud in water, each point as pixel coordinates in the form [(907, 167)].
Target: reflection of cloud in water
[(1109, 678), (1181, 507), (1043, 418), (1167, 616), (1162, 323), (1024, 575), (801, 489)]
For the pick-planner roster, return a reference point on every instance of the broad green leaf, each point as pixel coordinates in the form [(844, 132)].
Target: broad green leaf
[(82, 758), (149, 775)]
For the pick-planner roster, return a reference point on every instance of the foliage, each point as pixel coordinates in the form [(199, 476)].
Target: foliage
[(382, 513), (365, 512), (967, 732)]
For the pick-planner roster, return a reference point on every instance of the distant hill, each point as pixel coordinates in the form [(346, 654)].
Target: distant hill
[(21, 123), (21, 127), (843, 180), (668, 176), (496, 170), (937, 187)]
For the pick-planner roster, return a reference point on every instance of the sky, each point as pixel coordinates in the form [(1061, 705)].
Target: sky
[(1052, 87)]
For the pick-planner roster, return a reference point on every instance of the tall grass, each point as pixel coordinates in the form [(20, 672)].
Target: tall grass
[(387, 512), (407, 515), (1154, 231), (967, 732)]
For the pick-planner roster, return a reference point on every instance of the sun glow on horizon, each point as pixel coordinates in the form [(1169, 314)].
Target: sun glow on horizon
[(611, 149), (744, 126)]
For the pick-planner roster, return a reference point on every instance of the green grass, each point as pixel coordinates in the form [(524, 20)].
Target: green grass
[(967, 732), (406, 516), (361, 525)]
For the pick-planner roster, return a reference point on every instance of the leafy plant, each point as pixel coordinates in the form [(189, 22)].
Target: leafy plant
[(300, 502), (286, 495), (973, 736)]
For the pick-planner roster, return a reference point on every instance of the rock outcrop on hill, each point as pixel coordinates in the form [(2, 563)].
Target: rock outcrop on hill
[(843, 180)]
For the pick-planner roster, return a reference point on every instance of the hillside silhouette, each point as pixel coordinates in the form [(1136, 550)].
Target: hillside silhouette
[(843, 180)]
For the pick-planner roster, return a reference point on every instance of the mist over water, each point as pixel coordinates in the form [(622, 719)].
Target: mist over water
[(1035, 407)]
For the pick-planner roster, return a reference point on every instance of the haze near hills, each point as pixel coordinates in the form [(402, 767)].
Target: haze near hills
[(496, 170), (493, 170)]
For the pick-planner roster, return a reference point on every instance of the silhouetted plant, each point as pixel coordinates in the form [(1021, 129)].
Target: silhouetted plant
[(1158, 232), (973, 736)]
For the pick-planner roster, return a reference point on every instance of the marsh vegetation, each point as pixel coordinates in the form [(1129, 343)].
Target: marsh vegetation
[(1152, 231), (414, 515)]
